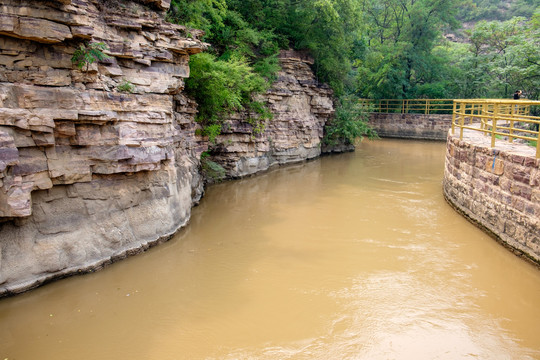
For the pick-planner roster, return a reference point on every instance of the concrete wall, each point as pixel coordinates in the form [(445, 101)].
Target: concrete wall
[(498, 189), (411, 126)]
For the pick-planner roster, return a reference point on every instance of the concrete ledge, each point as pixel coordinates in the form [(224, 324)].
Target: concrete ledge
[(496, 188)]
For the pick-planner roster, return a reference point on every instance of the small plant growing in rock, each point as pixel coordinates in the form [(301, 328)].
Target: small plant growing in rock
[(126, 86), (87, 54), (211, 170)]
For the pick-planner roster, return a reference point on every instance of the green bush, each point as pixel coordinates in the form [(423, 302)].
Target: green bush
[(350, 122), (126, 86), (221, 87)]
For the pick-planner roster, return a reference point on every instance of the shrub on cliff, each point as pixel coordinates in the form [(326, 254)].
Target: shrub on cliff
[(349, 123), (212, 171), (221, 87), (87, 53), (241, 64)]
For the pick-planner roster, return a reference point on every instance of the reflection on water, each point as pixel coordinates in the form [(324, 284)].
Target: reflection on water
[(355, 256)]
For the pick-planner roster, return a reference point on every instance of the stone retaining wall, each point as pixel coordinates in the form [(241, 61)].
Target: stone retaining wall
[(498, 189), (411, 126)]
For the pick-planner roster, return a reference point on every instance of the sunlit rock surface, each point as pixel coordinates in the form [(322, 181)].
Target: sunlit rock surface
[(88, 172)]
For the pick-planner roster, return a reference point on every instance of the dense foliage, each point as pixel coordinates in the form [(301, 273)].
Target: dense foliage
[(476, 10), (400, 60), (408, 55), (349, 122), (364, 48), (246, 37), (499, 58), (240, 64), (219, 86)]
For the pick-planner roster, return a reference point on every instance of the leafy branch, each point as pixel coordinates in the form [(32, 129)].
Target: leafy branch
[(87, 54)]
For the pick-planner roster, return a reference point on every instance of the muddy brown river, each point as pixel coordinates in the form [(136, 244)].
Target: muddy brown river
[(354, 256)]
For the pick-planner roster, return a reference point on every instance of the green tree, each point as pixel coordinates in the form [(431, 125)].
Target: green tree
[(489, 10), (240, 64), (503, 56), (402, 35), (349, 122), (328, 29)]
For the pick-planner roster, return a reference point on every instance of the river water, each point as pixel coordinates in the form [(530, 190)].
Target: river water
[(354, 256)]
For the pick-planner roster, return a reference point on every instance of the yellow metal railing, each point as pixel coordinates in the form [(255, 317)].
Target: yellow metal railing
[(404, 106), (501, 119)]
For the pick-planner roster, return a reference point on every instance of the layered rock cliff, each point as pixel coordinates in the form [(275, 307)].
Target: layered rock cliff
[(102, 162), (300, 106), (91, 169)]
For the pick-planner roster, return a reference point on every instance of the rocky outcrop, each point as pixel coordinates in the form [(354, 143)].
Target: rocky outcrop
[(94, 163), (300, 106), (102, 162)]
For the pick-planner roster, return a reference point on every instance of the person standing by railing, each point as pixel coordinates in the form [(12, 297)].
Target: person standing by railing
[(517, 95)]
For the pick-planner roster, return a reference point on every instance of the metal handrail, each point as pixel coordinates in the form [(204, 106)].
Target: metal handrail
[(498, 118), (405, 106)]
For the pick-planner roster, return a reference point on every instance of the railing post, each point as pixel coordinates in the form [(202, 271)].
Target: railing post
[(513, 109), (461, 119), (538, 144), (454, 107), (483, 121), (494, 124), (427, 107)]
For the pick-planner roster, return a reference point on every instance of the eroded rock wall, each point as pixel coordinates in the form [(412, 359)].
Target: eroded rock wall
[(300, 106), (95, 163), (102, 162)]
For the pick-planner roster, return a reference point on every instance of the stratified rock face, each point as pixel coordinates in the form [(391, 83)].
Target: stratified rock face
[(89, 173), (300, 107), (101, 162)]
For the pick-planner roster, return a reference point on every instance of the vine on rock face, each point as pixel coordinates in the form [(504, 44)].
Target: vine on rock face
[(87, 54)]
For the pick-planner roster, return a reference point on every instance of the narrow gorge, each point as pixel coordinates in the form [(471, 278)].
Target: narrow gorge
[(100, 163)]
